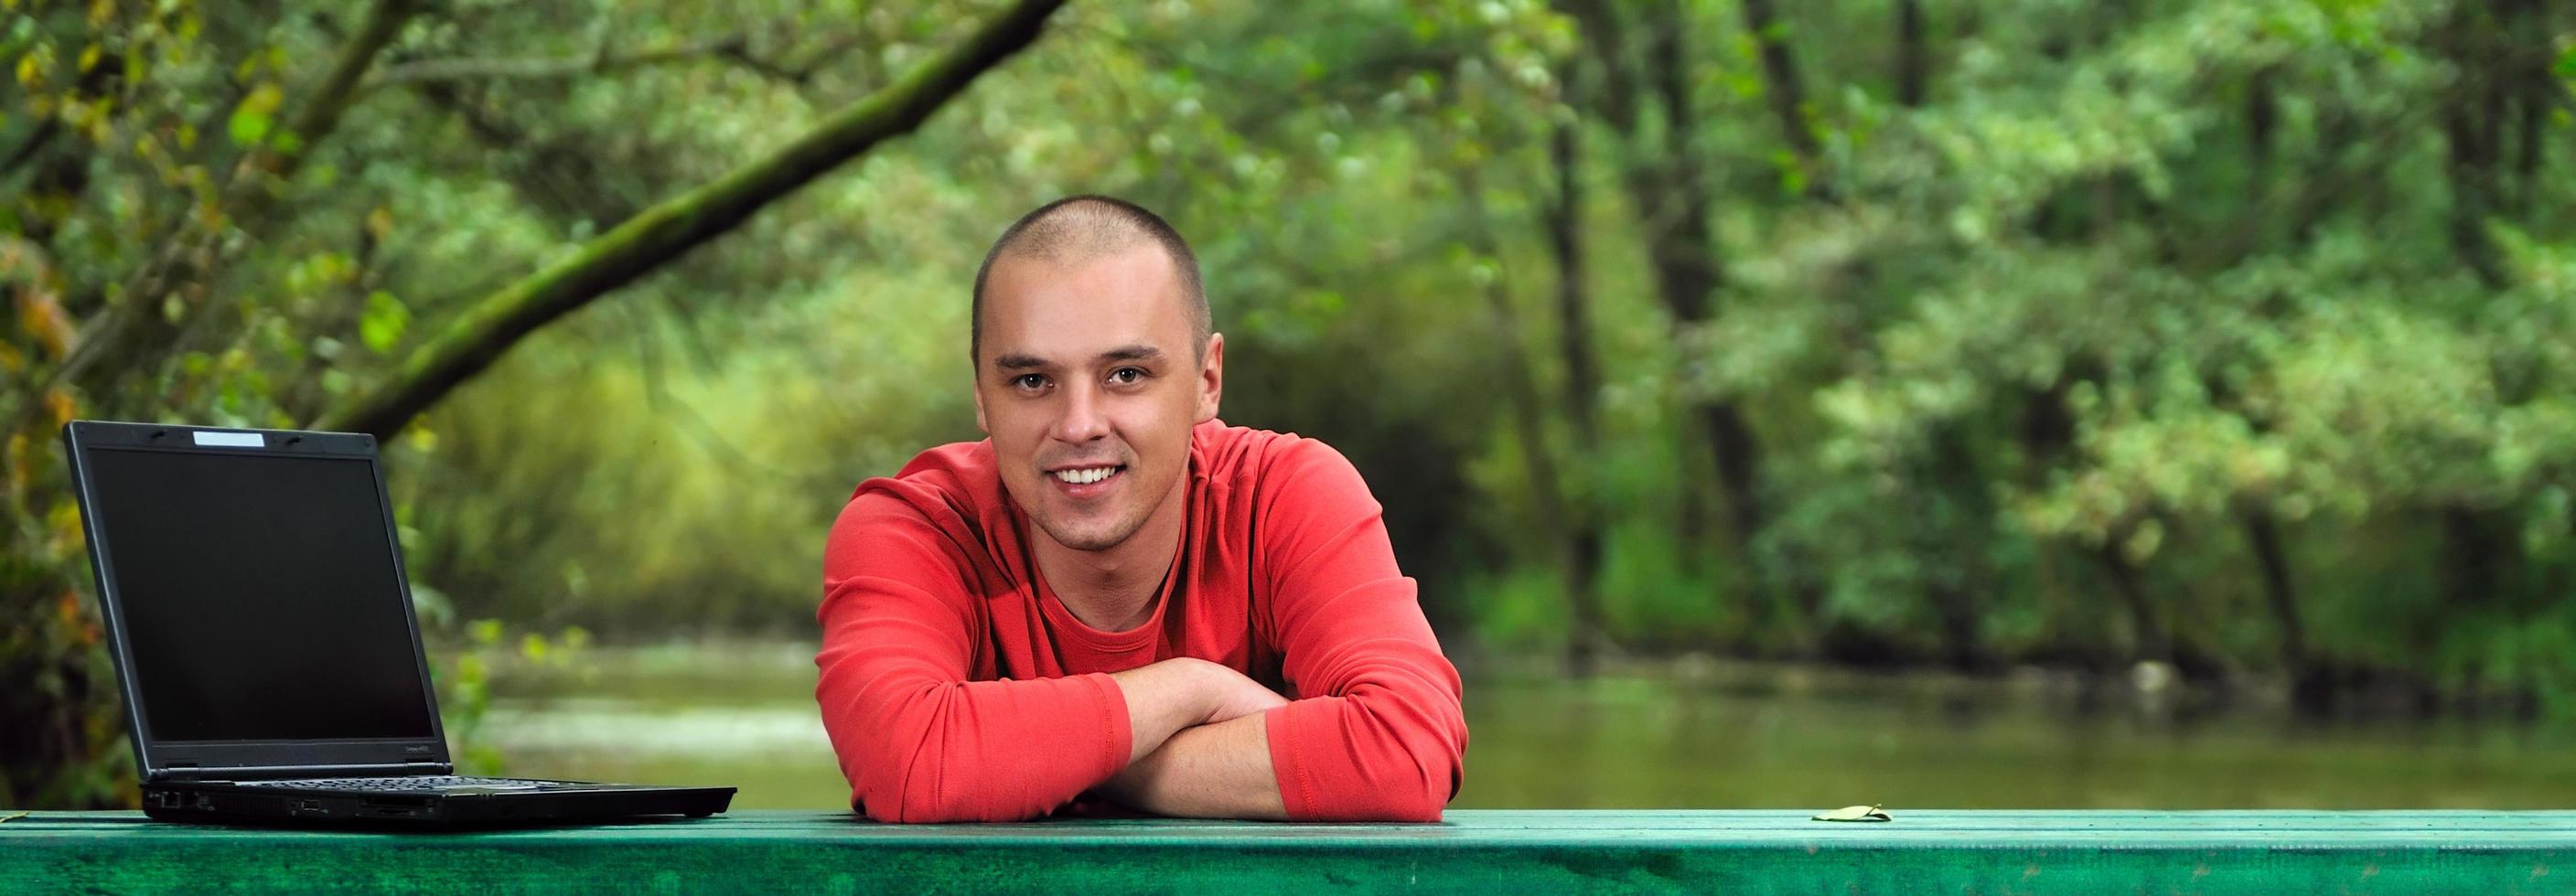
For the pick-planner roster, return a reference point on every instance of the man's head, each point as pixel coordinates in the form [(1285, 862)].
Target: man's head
[(1093, 360)]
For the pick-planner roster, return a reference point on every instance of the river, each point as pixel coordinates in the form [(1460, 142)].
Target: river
[(1678, 735)]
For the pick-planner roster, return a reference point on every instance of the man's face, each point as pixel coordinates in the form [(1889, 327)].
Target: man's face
[(1089, 383)]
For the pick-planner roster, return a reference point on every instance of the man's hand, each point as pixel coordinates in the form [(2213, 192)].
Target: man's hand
[(1237, 695), (1211, 771), (1214, 760), (1180, 693)]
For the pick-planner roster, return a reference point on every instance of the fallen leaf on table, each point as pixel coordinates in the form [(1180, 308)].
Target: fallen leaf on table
[(5, 819), (1856, 813)]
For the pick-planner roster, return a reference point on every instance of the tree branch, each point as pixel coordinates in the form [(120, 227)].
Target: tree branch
[(544, 68), (479, 336), (733, 47), (321, 113)]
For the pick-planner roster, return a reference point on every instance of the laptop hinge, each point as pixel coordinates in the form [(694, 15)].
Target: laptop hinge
[(189, 772)]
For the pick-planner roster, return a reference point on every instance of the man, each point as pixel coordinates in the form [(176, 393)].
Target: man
[(1117, 597)]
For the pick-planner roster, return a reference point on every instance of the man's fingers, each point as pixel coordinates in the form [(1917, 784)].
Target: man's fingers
[(1244, 697)]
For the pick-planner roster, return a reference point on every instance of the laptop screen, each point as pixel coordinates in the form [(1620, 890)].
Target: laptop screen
[(260, 596)]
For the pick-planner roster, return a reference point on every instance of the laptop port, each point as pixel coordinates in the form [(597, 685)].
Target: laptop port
[(395, 807)]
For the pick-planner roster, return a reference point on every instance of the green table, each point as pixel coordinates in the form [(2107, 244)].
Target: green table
[(1488, 852)]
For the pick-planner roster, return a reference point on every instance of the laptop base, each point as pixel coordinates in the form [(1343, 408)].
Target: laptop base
[(247, 803)]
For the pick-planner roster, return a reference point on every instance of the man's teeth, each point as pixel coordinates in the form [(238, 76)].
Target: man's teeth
[(1086, 476)]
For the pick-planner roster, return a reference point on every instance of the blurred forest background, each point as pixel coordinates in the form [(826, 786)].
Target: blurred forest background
[(2223, 348)]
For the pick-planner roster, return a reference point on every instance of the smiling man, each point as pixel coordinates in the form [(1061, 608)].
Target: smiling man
[(1117, 597)]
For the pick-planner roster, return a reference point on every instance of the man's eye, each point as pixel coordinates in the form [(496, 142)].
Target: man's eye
[(1126, 376), (1029, 381)]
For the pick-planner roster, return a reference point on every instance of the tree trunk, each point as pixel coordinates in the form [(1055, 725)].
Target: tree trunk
[(1665, 181), (2469, 132), (1556, 523), (1954, 601), (1913, 59), (479, 335), (1952, 513), (2046, 432), (1582, 386), (2540, 89), (1682, 244), (1787, 93), (2474, 546), (2307, 691), (2262, 123), (2147, 633)]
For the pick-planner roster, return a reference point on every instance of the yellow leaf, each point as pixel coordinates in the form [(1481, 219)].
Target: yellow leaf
[(18, 461), (41, 314), (62, 406), (65, 519), (421, 436), (1856, 813), (89, 58)]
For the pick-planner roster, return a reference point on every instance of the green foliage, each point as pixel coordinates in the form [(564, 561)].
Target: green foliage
[(464, 680), (2134, 331), (2030, 365), (269, 275)]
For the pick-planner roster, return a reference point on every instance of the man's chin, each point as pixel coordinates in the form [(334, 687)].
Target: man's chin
[(1088, 538)]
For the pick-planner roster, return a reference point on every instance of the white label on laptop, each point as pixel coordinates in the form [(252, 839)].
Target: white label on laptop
[(231, 439)]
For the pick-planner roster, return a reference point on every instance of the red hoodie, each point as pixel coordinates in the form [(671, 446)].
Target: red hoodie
[(956, 687)]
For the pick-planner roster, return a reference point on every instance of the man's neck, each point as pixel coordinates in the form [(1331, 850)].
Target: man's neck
[(1113, 590)]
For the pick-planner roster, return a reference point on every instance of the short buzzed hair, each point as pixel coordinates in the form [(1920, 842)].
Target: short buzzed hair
[(1080, 228)]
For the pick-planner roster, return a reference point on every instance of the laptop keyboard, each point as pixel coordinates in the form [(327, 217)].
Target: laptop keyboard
[(412, 782)]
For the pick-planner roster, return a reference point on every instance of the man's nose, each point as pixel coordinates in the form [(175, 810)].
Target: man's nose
[(1082, 420)]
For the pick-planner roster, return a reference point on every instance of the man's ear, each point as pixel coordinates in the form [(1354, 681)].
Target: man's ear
[(980, 425), (1212, 377)]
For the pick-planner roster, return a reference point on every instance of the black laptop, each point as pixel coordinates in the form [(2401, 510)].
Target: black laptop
[(263, 634)]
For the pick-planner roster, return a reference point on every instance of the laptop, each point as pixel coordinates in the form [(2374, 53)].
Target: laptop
[(263, 634)]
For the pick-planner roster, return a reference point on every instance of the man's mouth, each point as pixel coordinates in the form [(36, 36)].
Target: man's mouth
[(1087, 475)]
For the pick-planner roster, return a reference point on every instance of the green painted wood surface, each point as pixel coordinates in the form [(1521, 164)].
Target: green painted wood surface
[(1488, 852)]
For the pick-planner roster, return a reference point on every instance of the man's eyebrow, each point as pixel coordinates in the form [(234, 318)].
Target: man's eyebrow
[(1017, 361)]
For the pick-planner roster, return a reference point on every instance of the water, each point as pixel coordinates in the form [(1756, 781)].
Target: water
[(1684, 736)]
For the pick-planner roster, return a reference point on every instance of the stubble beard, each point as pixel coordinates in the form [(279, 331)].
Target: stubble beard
[(1101, 537), (1098, 540)]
